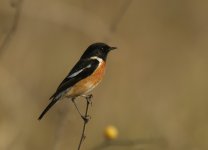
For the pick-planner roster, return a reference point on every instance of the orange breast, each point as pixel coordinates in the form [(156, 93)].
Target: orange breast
[(89, 83)]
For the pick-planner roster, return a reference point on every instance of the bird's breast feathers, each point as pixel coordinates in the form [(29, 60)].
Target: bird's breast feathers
[(88, 83)]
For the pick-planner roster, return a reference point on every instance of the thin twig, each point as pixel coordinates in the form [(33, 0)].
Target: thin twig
[(86, 119), (120, 15), (17, 5), (114, 25)]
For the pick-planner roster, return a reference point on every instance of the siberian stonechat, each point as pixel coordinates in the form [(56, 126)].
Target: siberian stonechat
[(84, 76)]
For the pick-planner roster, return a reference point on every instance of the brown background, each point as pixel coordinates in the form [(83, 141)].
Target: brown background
[(155, 87)]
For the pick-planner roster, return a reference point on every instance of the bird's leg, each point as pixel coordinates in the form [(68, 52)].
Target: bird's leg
[(86, 117), (89, 102), (88, 98), (73, 100)]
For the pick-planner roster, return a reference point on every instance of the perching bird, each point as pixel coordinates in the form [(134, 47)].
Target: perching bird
[(84, 76)]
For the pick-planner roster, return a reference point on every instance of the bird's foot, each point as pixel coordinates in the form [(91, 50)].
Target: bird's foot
[(86, 118), (89, 96), (89, 99)]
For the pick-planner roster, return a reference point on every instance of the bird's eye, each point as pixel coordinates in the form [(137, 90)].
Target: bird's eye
[(102, 48)]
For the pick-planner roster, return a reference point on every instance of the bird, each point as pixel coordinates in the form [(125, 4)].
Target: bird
[(84, 76)]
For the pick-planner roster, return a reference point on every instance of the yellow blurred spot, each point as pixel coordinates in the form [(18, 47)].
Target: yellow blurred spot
[(111, 132)]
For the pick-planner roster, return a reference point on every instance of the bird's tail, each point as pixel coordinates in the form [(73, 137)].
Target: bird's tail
[(47, 108)]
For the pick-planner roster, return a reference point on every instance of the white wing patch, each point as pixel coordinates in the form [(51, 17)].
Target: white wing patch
[(78, 72)]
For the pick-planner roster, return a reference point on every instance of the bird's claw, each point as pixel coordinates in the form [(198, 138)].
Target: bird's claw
[(86, 118)]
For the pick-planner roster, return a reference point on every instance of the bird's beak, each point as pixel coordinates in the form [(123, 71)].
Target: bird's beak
[(112, 48)]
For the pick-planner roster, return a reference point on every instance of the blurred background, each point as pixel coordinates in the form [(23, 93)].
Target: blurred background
[(155, 85)]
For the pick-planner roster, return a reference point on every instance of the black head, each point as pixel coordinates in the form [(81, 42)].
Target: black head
[(100, 50)]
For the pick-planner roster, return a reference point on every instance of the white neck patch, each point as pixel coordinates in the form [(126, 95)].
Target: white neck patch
[(97, 58)]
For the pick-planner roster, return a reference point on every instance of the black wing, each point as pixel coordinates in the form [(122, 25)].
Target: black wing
[(81, 70)]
